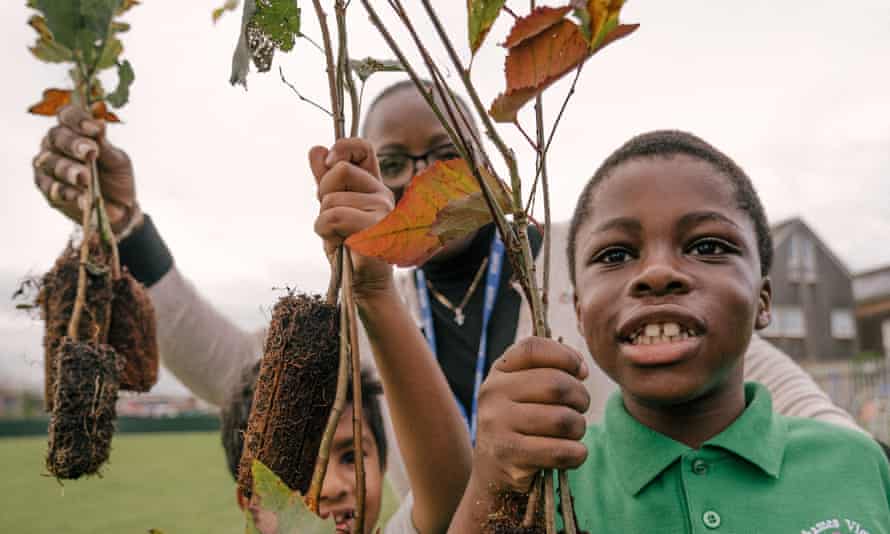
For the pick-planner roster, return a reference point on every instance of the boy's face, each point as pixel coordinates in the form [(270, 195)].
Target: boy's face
[(338, 495), (668, 285)]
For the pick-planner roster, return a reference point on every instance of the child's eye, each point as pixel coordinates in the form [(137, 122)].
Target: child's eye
[(613, 255), (348, 458), (710, 247)]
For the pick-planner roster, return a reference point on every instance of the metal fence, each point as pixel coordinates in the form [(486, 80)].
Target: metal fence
[(862, 389)]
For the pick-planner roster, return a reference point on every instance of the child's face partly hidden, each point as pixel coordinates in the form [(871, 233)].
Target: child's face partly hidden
[(338, 495), (668, 283)]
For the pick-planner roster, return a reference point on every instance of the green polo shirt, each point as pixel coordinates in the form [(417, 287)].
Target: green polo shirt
[(765, 473)]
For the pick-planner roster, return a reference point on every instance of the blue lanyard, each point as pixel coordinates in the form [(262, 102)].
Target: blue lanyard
[(492, 281)]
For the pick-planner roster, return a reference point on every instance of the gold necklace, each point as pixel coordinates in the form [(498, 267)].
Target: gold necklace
[(459, 309)]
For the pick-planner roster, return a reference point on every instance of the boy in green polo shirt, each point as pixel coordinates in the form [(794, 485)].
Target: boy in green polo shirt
[(669, 251)]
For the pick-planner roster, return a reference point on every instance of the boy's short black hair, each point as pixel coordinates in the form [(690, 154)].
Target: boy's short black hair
[(235, 414), (667, 143)]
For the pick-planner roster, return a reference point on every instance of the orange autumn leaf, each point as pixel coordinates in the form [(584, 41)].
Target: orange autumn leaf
[(537, 21), (55, 99), (537, 63), (546, 56), (404, 236)]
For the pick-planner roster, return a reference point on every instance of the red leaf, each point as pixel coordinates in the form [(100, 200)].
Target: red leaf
[(55, 99), (403, 237), (534, 23)]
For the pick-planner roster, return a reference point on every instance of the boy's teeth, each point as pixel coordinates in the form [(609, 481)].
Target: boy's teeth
[(654, 333)]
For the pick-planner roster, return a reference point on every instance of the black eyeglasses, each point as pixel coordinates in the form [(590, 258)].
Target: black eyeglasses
[(395, 165)]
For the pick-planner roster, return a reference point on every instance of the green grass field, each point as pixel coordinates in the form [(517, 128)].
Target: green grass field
[(177, 483)]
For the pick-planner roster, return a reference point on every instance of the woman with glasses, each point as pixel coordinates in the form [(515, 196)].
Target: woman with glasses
[(465, 331)]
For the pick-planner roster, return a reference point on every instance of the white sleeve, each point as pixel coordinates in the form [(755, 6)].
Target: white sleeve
[(793, 391), (203, 349), (401, 522)]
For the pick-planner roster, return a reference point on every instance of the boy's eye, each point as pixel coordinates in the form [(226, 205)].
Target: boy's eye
[(710, 247), (613, 255)]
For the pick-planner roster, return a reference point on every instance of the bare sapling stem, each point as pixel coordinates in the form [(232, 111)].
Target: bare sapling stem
[(324, 450), (549, 503), (81, 296), (357, 424), (347, 84), (340, 82)]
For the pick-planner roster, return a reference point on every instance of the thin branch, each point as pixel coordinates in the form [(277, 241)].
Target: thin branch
[(80, 298), (568, 505), (357, 426), (336, 111), (549, 504), (534, 495), (301, 97), (316, 45), (531, 142), (561, 111)]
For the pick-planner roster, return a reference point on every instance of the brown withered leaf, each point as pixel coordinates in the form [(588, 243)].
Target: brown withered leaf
[(526, 64), (404, 236), (537, 21)]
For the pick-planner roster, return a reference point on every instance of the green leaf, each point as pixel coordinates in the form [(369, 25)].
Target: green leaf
[(481, 14), (364, 68), (119, 27), (291, 514), (50, 51), (279, 20), (110, 54), (97, 15), (62, 18), (125, 77)]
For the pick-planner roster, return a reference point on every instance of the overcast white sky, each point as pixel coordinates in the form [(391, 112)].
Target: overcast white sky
[(795, 91)]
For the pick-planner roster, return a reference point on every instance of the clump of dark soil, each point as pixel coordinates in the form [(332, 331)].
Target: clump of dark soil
[(294, 393), (509, 514), (56, 299), (133, 334), (82, 420)]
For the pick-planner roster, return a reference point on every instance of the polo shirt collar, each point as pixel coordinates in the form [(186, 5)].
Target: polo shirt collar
[(640, 454)]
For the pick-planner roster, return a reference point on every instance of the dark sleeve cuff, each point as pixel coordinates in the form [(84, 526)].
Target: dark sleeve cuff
[(145, 254)]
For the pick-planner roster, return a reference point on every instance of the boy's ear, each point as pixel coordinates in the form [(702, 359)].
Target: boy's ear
[(578, 324), (764, 304)]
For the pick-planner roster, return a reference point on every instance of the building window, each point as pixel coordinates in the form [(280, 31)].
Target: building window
[(802, 259), (787, 321), (842, 324)]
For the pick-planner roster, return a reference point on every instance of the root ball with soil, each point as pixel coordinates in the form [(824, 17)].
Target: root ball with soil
[(294, 392), (82, 420)]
